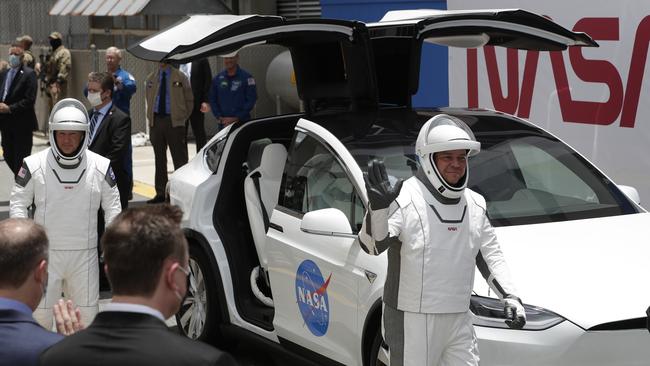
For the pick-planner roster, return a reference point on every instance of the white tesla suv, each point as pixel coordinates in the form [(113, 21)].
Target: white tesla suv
[(272, 206)]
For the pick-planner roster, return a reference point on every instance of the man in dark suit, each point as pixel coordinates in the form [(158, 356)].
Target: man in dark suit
[(23, 278), (200, 76), (147, 263), (17, 117), (110, 130)]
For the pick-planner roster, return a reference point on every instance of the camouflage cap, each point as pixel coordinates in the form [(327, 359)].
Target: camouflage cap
[(25, 37), (56, 35)]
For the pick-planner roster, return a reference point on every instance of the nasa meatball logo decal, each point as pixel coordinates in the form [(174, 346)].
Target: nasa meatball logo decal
[(311, 296)]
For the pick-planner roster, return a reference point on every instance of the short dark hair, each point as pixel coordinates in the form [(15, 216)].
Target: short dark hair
[(23, 243), (137, 243), (105, 79)]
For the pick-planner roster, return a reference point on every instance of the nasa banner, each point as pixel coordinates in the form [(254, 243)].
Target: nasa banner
[(595, 99)]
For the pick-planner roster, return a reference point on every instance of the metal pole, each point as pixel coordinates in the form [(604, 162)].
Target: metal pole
[(93, 57)]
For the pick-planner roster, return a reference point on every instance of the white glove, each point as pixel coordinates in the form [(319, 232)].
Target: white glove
[(515, 312)]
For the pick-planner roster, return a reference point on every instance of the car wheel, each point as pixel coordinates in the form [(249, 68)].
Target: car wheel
[(197, 317), (378, 351)]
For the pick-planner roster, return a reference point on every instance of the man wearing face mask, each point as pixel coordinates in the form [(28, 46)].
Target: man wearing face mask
[(436, 231), (110, 130), (18, 87), (147, 264), (67, 185), (57, 69)]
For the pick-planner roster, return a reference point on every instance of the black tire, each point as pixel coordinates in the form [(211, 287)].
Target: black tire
[(198, 317), (378, 345)]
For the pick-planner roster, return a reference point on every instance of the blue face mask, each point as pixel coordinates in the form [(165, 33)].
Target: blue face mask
[(14, 61)]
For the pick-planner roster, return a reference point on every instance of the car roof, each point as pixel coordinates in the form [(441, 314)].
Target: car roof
[(400, 126)]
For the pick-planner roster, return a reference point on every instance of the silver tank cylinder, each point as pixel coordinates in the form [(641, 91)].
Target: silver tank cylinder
[(281, 83)]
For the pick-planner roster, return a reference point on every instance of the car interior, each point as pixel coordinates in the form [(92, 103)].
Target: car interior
[(239, 218)]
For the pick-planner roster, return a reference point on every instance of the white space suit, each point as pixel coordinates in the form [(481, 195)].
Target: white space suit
[(67, 192), (435, 234)]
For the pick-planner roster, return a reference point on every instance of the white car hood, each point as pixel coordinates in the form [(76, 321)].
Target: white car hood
[(590, 271)]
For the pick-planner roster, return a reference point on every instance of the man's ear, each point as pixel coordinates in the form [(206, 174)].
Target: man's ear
[(169, 271), (40, 272)]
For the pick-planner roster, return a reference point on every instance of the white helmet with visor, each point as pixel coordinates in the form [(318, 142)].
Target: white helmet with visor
[(445, 133), (68, 115)]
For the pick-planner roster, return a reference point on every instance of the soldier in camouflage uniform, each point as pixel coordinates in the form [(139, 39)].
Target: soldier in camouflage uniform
[(57, 70)]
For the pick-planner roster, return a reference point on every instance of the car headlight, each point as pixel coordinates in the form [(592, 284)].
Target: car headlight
[(488, 312)]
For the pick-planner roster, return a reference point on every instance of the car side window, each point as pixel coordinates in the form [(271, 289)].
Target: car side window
[(314, 179), (543, 173), (213, 154)]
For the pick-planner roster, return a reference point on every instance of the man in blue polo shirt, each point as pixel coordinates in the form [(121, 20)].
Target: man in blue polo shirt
[(124, 88), (233, 92)]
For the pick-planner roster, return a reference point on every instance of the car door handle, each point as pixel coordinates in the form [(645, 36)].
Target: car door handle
[(276, 227)]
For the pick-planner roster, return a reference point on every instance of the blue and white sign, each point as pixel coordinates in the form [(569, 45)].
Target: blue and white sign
[(311, 296)]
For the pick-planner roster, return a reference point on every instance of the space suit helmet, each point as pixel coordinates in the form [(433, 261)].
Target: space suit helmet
[(69, 115), (444, 133)]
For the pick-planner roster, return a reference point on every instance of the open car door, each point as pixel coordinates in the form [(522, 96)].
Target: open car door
[(398, 37), (312, 247), (332, 59)]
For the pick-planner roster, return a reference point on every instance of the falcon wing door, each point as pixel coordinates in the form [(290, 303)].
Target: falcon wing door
[(311, 246), (331, 58), (398, 37)]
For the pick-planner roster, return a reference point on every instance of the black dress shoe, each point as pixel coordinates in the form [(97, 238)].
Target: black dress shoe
[(157, 199)]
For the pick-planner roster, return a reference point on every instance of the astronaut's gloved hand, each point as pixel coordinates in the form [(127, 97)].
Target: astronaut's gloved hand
[(380, 193), (515, 312)]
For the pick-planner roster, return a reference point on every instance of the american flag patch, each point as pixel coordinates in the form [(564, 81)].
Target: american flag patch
[(22, 172), (251, 81)]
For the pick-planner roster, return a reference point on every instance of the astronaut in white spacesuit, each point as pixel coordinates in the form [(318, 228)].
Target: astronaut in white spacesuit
[(435, 230), (67, 185)]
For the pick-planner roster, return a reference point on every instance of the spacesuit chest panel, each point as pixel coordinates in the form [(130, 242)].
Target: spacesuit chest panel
[(69, 201), (449, 253)]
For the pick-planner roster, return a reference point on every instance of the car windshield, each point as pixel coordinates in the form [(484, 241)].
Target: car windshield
[(525, 175)]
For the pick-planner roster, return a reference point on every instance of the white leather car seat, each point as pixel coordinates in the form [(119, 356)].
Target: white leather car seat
[(261, 190)]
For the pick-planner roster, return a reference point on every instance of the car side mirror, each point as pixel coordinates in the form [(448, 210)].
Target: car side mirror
[(327, 221), (631, 193)]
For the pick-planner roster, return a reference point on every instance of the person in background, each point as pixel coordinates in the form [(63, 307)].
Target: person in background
[(233, 92), (29, 60), (169, 104), (110, 130), (23, 280), (18, 86), (199, 74), (57, 69), (147, 264), (124, 86)]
